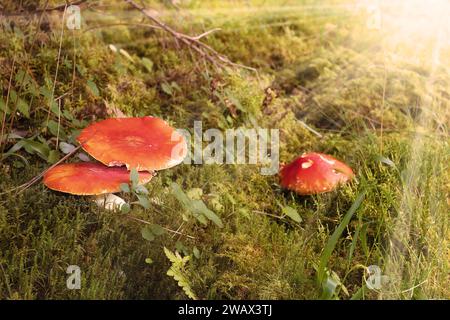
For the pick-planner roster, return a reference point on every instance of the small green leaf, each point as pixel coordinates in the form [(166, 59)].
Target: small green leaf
[(125, 208), (147, 234), (53, 156), (196, 207), (93, 88), (143, 201), (386, 161), (167, 89), (3, 106), (124, 187), (141, 189), (175, 86), (54, 130), (22, 106), (134, 177), (148, 64), (292, 213), (200, 207), (33, 147), (196, 252), (148, 260), (157, 229)]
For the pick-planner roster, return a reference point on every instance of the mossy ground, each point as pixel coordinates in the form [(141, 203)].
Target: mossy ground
[(371, 109)]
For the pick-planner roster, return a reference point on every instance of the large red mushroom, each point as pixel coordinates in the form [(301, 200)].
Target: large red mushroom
[(314, 173), (146, 143)]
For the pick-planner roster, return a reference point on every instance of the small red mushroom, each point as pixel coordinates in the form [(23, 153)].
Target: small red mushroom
[(146, 143), (87, 178), (313, 173)]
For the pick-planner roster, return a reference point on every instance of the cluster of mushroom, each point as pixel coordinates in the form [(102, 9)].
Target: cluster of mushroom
[(149, 144), (146, 144)]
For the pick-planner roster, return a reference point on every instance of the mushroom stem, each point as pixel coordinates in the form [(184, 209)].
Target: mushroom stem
[(109, 201)]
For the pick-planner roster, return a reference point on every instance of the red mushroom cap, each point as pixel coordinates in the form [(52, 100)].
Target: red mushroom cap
[(146, 143), (87, 178), (314, 173)]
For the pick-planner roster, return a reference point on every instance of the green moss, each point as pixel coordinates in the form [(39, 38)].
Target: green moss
[(333, 94)]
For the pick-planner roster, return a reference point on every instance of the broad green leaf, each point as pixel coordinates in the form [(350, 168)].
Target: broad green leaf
[(195, 193), (292, 213), (36, 147)]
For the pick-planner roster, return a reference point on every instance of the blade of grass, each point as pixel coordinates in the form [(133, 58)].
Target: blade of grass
[(331, 244)]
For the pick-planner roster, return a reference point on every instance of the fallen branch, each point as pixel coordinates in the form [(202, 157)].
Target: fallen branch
[(62, 6), (202, 49)]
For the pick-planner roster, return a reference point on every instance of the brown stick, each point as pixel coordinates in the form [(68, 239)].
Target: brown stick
[(62, 6), (204, 50)]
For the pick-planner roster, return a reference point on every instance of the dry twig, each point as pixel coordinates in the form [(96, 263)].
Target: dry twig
[(204, 50)]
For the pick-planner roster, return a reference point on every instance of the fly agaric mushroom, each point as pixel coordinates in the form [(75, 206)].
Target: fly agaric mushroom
[(313, 173), (87, 178), (146, 143)]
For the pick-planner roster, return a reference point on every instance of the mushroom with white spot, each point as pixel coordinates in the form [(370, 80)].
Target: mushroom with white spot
[(314, 173)]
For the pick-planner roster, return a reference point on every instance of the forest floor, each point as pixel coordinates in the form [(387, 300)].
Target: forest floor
[(336, 85)]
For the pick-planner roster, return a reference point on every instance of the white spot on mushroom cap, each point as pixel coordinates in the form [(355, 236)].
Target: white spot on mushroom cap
[(331, 162), (306, 165)]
